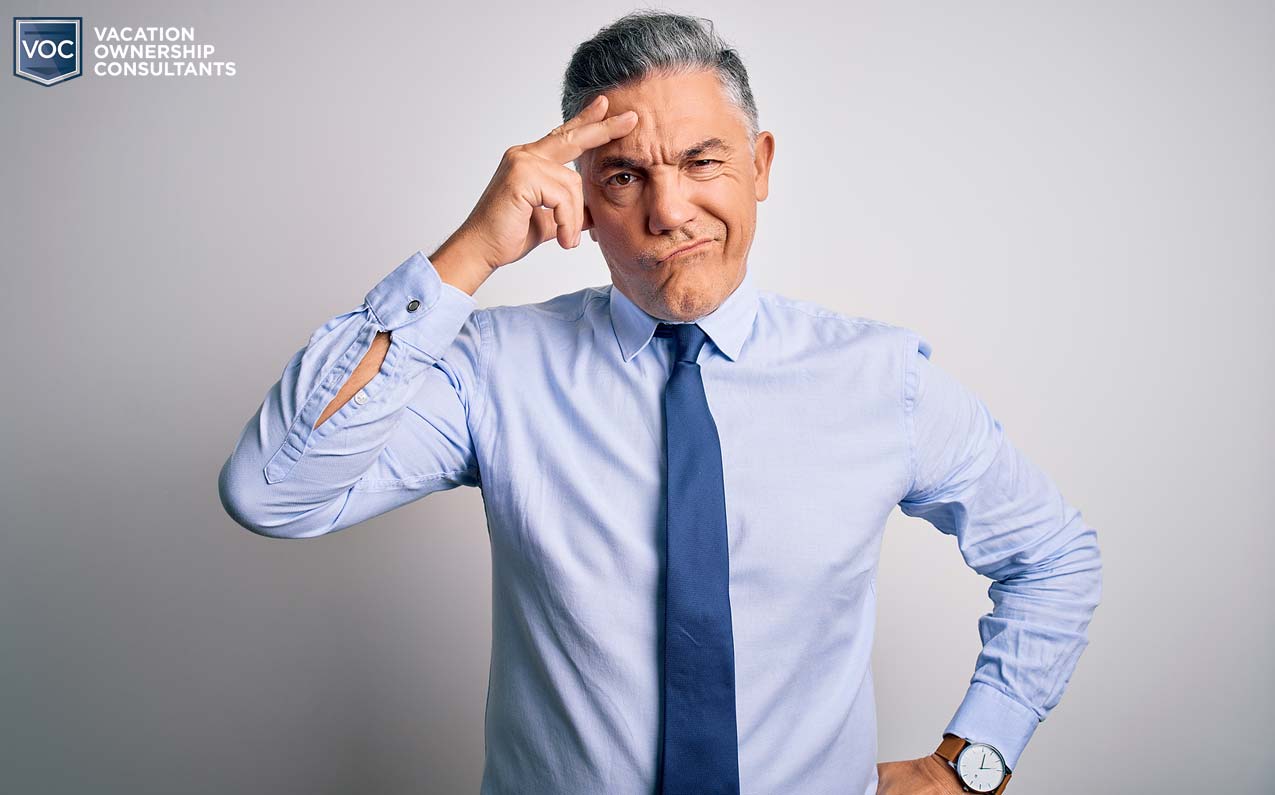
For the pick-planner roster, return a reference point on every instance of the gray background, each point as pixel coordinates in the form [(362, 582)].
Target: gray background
[(1073, 202)]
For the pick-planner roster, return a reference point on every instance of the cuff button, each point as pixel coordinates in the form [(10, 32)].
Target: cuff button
[(413, 305)]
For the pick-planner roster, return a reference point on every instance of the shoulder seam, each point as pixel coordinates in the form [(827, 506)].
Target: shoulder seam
[(795, 305), (483, 322), (910, 343), (588, 294)]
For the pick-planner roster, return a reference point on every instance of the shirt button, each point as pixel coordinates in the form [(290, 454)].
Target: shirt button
[(413, 305), (360, 397)]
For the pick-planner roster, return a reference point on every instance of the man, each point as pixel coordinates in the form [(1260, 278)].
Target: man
[(686, 477)]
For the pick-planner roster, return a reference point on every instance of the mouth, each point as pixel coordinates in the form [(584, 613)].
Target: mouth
[(687, 249)]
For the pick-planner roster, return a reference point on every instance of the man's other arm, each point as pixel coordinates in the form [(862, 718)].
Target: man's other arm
[(1013, 526), (332, 444), (373, 412)]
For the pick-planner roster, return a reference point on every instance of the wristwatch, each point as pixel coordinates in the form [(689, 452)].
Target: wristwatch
[(979, 766)]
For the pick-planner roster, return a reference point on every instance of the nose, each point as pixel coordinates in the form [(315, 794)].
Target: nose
[(670, 203)]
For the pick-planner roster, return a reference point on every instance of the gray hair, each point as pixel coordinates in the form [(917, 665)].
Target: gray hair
[(649, 42)]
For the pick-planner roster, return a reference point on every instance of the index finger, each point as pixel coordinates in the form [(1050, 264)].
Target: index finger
[(589, 129)]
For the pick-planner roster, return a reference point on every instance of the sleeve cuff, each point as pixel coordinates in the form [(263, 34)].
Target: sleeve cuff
[(419, 307), (987, 715)]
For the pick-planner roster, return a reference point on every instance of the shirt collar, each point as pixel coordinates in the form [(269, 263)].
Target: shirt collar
[(727, 326)]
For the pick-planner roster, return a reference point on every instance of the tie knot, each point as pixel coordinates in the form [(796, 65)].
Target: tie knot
[(690, 339)]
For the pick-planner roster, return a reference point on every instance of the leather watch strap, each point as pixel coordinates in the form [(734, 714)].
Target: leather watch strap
[(951, 748)]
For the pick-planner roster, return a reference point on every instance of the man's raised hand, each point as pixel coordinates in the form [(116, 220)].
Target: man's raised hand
[(534, 195)]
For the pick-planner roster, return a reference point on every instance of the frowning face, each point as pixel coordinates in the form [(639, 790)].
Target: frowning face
[(684, 176)]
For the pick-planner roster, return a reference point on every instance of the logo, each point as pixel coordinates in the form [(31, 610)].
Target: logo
[(46, 50)]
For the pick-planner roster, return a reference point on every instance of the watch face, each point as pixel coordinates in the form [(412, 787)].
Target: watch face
[(981, 767)]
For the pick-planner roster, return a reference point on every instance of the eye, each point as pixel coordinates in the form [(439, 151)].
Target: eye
[(707, 163)]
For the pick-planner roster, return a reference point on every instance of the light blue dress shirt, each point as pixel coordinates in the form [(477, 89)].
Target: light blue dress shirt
[(827, 422)]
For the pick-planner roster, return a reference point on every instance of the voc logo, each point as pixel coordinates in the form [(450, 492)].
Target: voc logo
[(46, 50)]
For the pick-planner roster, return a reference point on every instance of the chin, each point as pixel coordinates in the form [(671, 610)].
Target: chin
[(691, 304)]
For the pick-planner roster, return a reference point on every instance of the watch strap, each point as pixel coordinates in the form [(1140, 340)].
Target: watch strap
[(951, 748)]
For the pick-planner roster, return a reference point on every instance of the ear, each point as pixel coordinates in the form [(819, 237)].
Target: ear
[(761, 164), (588, 224)]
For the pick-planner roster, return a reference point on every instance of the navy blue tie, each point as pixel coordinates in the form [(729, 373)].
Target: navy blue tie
[(701, 747)]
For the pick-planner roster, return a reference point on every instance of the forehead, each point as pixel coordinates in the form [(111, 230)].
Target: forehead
[(678, 116)]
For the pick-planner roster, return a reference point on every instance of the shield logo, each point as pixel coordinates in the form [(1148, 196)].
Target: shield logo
[(46, 50)]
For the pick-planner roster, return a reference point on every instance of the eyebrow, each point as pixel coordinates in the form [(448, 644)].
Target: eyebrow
[(692, 151)]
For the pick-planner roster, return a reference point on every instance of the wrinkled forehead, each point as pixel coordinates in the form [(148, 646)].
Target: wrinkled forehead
[(679, 116), (641, 155), (663, 139)]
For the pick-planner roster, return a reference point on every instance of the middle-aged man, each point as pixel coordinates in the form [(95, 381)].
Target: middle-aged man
[(685, 477)]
